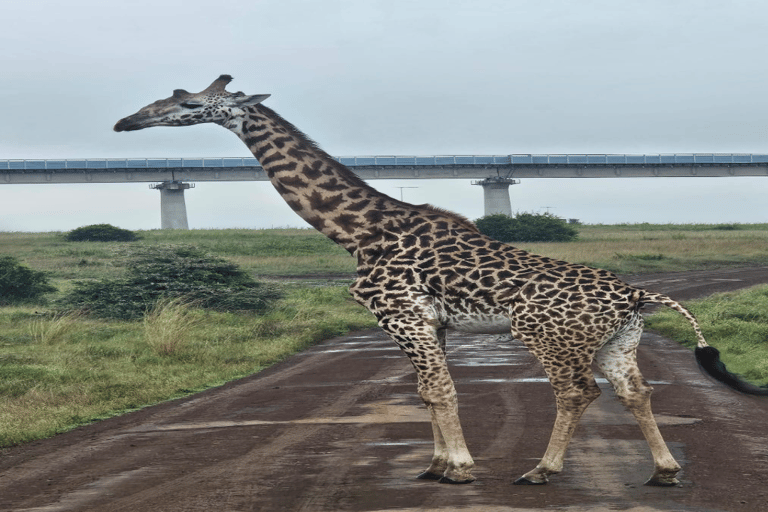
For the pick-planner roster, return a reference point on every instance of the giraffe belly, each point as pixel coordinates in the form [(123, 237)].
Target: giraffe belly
[(480, 324)]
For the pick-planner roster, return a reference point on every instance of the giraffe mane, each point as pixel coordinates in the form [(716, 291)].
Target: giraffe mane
[(461, 219), (356, 180)]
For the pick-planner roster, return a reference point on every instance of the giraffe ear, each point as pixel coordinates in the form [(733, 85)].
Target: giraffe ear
[(246, 101)]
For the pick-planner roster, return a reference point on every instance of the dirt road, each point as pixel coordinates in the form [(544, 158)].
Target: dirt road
[(340, 427)]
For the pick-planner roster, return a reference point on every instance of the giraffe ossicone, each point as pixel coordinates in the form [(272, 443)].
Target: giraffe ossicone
[(422, 271)]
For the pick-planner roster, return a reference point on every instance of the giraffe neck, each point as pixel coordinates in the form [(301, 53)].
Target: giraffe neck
[(322, 191)]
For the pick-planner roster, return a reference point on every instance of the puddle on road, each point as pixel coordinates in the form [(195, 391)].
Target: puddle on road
[(599, 380), (487, 351), (389, 411), (611, 415), (473, 351), (411, 442), (501, 508), (485, 361), (352, 349)]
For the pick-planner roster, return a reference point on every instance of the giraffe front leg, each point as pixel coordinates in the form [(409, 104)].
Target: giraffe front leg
[(451, 463), (439, 463), (424, 346)]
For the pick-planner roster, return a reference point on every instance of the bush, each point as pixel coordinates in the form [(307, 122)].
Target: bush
[(100, 233), (527, 227), (19, 283), (171, 272)]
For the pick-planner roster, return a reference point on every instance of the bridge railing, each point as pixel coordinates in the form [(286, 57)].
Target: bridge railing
[(358, 161), (127, 163), (394, 161)]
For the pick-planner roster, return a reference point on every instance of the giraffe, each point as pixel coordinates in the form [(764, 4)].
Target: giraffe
[(422, 270)]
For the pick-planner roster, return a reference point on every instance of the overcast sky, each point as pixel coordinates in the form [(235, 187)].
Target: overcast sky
[(391, 77)]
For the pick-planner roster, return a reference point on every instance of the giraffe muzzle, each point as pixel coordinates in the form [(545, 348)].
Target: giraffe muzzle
[(128, 124)]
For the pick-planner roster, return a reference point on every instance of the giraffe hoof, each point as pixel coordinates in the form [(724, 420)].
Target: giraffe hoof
[(524, 481), (429, 476), (656, 481), (664, 478), (446, 480)]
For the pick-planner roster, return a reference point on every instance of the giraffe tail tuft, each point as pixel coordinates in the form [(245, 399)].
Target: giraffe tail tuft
[(708, 357), (709, 361)]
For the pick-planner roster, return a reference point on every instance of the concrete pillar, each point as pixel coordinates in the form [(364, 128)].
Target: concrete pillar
[(496, 195), (173, 209)]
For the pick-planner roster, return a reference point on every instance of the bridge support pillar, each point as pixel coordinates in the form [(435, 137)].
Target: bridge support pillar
[(173, 209), (496, 195)]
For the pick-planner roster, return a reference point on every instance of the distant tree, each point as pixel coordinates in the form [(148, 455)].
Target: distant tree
[(527, 227), (19, 283), (497, 226), (100, 233)]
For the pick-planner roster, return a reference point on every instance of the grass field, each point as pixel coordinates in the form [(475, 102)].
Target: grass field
[(57, 372), (60, 372), (301, 252), (634, 248)]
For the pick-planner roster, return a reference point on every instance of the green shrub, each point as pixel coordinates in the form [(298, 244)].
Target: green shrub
[(640, 257), (100, 233), (19, 283), (171, 272), (526, 227), (726, 227)]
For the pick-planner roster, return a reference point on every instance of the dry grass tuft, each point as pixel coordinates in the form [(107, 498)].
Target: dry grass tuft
[(53, 329), (167, 327)]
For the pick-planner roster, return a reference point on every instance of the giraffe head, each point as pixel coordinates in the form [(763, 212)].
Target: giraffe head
[(213, 105)]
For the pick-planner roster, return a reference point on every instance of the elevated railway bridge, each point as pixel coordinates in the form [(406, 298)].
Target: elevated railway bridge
[(495, 173)]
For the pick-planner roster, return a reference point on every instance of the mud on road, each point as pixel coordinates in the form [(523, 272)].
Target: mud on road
[(340, 427)]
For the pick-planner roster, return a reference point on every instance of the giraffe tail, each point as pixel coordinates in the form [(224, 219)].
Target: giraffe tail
[(707, 357)]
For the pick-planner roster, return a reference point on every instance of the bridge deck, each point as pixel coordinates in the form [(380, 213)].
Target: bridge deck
[(392, 167)]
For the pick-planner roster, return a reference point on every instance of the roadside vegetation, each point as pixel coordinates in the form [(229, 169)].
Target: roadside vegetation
[(63, 366), (60, 371)]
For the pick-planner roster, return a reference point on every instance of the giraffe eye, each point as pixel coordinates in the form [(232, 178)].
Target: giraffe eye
[(191, 105)]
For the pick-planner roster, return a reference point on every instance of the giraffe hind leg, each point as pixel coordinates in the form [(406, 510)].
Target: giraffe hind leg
[(575, 388), (618, 362)]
